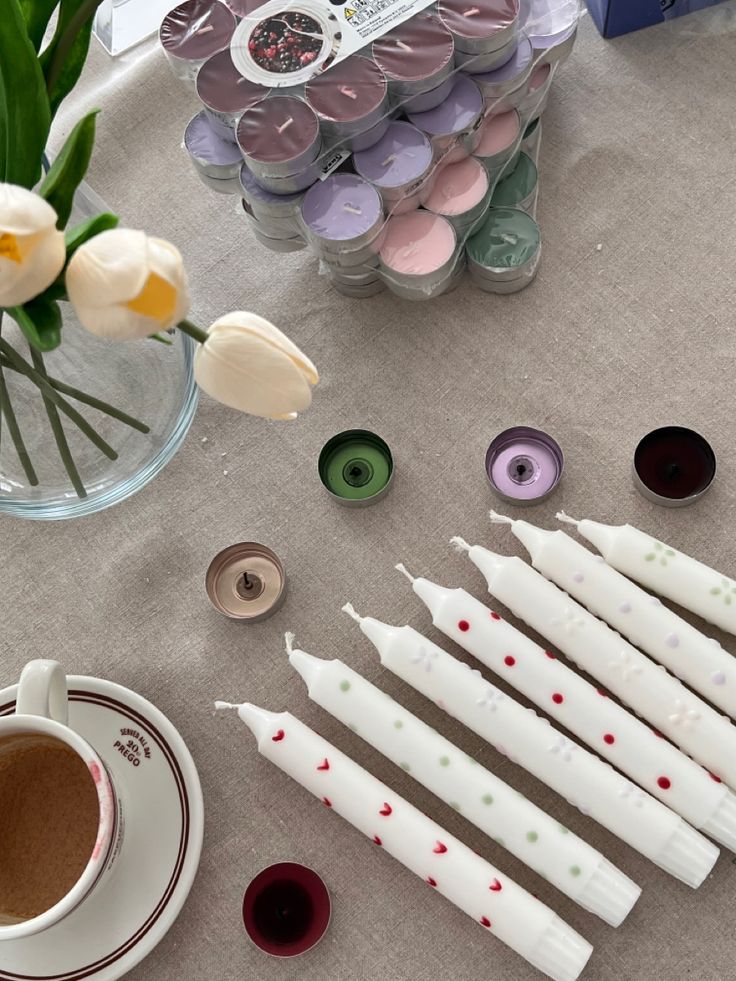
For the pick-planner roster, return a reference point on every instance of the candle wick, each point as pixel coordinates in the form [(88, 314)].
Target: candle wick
[(459, 544), (350, 93), (220, 706), (350, 610), (289, 641), (566, 519), (471, 12), (285, 125), (204, 30), (500, 519), (673, 470), (405, 572), (404, 46), (351, 209), (509, 239), (389, 160)]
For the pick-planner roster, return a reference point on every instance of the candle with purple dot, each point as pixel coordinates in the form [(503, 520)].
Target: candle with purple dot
[(194, 31)]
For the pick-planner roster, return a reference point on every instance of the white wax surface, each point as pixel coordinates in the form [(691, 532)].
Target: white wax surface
[(417, 243)]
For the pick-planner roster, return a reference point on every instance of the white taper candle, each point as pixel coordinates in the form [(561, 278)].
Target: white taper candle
[(643, 685), (692, 584), (447, 865), (506, 816), (607, 727), (587, 782)]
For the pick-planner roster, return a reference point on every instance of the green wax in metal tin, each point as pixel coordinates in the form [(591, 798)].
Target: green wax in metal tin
[(355, 465), (507, 238), (518, 185)]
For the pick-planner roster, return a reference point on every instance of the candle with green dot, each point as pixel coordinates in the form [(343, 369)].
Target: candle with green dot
[(468, 788)]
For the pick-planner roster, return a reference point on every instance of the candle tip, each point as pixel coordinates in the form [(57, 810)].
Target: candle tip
[(400, 567), (459, 544), (350, 610), (566, 519), (289, 641), (500, 519), (220, 706)]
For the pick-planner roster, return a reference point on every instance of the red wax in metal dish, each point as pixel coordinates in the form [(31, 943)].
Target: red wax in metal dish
[(478, 18), (220, 85), (417, 49), (277, 129), (286, 909), (197, 29), (352, 89)]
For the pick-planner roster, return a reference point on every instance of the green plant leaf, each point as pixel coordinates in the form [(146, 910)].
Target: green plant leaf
[(24, 107), (69, 168), (40, 323), (37, 14), (63, 58), (86, 230)]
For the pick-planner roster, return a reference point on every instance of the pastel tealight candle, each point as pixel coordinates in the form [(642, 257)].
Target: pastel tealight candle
[(279, 138), (551, 26), (608, 728), (660, 567), (283, 209), (192, 32), (443, 862), (212, 156), (532, 139), (416, 58), (504, 87), (398, 166), (225, 94), (460, 193), (534, 102), (343, 217), (503, 255), (351, 102), (647, 688), (502, 813), (418, 253), (484, 31), (500, 141), (580, 777), (452, 127), (517, 188)]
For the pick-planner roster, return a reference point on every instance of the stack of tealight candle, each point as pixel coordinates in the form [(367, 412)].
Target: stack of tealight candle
[(399, 165)]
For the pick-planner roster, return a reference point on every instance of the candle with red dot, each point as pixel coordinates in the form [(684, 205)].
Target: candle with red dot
[(604, 725), (476, 793), (389, 822), (528, 740)]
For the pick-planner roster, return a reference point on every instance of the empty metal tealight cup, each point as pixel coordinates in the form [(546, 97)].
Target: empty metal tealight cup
[(356, 467), (246, 581)]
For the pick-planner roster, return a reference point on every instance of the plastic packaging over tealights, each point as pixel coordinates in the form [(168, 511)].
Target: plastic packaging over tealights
[(443, 862)]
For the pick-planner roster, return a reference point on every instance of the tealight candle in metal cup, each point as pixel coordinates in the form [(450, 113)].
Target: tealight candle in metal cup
[(225, 94), (452, 126), (343, 218), (415, 57), (283, 228), (211, 155), (500, 145), (517, 188), (428, 100), (551, 27), (274, 240), (674, 466), (461, 193), (557, 49), (418, 254), (503, 254), (286, 909), (351, 103), (360, 292), (246, 582), (265, 204), (481, 27), (505, 87), (534, 102), (397, 166), (532, 139), (478, 64), (524, 465), (192, 32), (356, 467), (279, 138)]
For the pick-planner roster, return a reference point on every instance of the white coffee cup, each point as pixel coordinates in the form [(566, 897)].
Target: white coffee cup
[(41, 709)]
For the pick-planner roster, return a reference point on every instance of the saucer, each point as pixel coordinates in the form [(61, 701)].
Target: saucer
[(157, 782)]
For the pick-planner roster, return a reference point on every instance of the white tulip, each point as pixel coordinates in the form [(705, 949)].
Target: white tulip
[(32, 249), (248, 364), (124, 285)]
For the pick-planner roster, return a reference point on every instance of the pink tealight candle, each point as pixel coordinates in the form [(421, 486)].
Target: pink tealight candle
[(500, 143), (225, 94), (533, 104), (280, 138), (351, 102), (416, 57), (418, 254), (194, 31), (460, 193)]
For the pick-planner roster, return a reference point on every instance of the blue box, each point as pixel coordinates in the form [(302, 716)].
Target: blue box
[(614, 17)]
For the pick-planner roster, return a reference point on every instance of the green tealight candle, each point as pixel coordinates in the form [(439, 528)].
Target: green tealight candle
[(356, 467), (507, 239), (518, 188)]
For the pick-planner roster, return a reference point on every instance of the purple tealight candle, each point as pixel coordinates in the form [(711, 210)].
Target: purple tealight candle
[(524, 465), (194, 31), (225, 94), (551, 26), (452, 127), (398, 166), (280, 138), (504, 87), (415, 57), (212, 156), (343, 216), (351, 103), (484, 31), (266, 204)]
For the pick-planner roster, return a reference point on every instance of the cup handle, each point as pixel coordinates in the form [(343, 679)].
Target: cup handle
[(42, 691)]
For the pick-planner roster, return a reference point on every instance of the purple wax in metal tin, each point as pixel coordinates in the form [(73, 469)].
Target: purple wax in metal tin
[(516, 66), (254, 190), (457, 113), (221, 87), (524, 464), (351, 90), (197, 29), (401, 156), (203, 143), (277, 130), (342, 207)]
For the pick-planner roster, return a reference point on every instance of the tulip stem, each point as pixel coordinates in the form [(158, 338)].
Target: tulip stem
[(58, 430), (187, 327), (6, 412), (47, 389)]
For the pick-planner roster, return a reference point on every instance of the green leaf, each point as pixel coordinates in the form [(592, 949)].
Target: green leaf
[(24, 107), (86, 230), (40, 323), (63, 59), (37, 14), (69, 168)]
